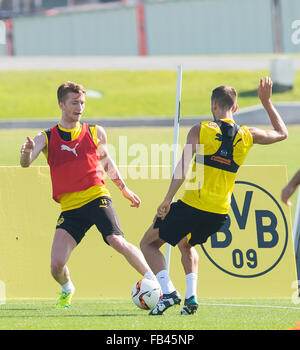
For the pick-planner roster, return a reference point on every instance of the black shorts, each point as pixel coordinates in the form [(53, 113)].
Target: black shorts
[(183, 219), (99, 212)]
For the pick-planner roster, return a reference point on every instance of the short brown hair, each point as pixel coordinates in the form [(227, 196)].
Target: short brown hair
[(225, 96), (67, 87)]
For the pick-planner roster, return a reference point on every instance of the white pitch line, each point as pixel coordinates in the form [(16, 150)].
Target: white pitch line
[(205, 304), (245, 305)]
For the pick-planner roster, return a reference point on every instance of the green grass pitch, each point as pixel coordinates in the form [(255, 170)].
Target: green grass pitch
[(237, 314), (32, 94)]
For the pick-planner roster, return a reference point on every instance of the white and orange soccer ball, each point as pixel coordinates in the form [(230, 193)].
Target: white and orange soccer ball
[(145, 294)]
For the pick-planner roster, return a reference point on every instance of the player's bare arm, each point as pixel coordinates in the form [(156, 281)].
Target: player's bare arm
[(279, 132), (181, 169), (32, 148), (112, 170), (290, 188)]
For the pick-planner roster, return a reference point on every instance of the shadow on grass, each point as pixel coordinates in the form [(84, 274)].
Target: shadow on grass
[(249, 93)]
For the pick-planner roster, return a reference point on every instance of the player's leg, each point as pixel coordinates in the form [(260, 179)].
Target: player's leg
[(70, 229), (103, 214), (132, 254), (172, 229), (62, 246), (150, 246), (189, 260)]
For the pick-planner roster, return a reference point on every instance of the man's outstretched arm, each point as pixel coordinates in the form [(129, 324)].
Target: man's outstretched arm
[(31, 148), (290, 188), (279, 132), (112, 170), (181, 170)]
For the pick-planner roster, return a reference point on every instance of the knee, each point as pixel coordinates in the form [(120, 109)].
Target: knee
[(146, 245), (187, 250), (117, 242), (56, 267), (151, 240)]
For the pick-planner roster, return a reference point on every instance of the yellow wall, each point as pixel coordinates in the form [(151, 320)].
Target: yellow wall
[(28, 217), (256, 258)]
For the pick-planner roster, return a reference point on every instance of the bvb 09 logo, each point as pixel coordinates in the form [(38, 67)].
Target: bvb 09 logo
[(254, 238)]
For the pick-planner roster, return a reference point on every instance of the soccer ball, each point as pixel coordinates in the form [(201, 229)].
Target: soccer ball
[(145, 294)]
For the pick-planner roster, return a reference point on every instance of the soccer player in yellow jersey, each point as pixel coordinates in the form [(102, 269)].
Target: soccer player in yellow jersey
[(75, 152), (205, 203)]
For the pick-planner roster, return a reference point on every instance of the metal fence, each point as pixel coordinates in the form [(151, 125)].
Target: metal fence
[(169, 27)]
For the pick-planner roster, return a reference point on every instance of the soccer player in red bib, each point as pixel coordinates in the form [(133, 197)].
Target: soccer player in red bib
[(76, 153)]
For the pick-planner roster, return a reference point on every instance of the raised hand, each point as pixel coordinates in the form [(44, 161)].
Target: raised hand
[(265, 90), (27, 146)]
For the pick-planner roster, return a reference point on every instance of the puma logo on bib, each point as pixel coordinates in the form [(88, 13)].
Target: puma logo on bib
[(67, 148)]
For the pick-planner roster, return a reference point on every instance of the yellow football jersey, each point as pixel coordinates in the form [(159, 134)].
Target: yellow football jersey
[(210, 181), (73, 200)]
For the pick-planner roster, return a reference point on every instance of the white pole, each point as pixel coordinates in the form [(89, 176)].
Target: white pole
[(175, 143)]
